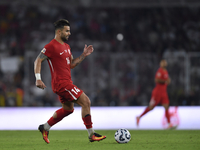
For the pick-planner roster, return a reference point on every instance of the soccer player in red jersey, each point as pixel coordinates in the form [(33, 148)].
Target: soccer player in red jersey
[(60, 60), (159, 93)]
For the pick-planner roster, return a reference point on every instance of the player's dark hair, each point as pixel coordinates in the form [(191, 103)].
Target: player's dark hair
[(61, 23)]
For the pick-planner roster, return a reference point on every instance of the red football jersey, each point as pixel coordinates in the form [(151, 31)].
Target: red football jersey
[(161, 74), (59, 59)]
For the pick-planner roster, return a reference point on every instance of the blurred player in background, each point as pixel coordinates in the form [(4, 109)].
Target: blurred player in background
[(60, 60), (159, 93)]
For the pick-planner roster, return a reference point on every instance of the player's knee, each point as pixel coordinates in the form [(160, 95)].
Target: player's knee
[(151, 107), (55, 115), (166, 106)]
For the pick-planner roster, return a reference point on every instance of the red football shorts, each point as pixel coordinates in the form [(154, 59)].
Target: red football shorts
[(158, 97), (69, 92)]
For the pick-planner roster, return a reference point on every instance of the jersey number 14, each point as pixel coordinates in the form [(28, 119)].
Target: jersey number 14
[(75, 90)]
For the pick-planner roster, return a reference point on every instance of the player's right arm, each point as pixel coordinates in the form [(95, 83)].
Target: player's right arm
[(37, 69), (168, 81), (160, 81)]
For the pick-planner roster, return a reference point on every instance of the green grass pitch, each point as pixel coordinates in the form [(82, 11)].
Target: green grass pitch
[(78, 140)]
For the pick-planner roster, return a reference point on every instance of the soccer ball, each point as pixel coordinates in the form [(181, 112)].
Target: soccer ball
[(122, 136)]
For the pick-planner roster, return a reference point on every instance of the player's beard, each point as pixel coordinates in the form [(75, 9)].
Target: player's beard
[(165, 67), (64, 38)]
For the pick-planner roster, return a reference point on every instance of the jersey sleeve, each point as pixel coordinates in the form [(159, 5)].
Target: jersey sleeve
[(159, 74), (47, 50)]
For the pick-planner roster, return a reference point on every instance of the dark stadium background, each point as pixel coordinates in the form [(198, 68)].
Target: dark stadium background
[(119, 72)]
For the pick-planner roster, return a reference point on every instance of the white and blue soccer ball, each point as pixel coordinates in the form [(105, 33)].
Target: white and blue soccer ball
[(122, 136)]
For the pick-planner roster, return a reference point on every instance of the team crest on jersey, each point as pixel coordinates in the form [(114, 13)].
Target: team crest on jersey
[(158, 74), (43, 50)]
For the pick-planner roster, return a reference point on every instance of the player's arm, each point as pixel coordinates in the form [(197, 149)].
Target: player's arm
[(168, 81), (160, 81), (87, 51), (37, 69)]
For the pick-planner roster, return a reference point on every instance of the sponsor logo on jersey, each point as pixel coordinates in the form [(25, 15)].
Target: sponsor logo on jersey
[(61, 53), (158, 74), (66, 51)]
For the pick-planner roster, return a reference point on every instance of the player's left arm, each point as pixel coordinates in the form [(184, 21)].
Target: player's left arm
[(86, 52), (168, 81), (160, 81)]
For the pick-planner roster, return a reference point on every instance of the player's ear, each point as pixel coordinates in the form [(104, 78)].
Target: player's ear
[(58, 31)]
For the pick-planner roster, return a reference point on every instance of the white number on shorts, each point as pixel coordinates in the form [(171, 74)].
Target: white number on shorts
[(75, 90)]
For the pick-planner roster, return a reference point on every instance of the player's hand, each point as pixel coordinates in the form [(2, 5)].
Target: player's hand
[(168, 81), (88, 50), (40, 84)]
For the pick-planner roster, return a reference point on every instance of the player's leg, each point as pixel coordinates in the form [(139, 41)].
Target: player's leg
[(147, 109), (155, 98), (67, 109), (167, 115), (165, 104), (85, 103)]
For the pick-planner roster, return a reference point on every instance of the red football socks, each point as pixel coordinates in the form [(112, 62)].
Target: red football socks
[(145, 111), (87, 121), (167, 115), (61, 113)]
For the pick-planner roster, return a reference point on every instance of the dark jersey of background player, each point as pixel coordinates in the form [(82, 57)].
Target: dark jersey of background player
[(60, 60)]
